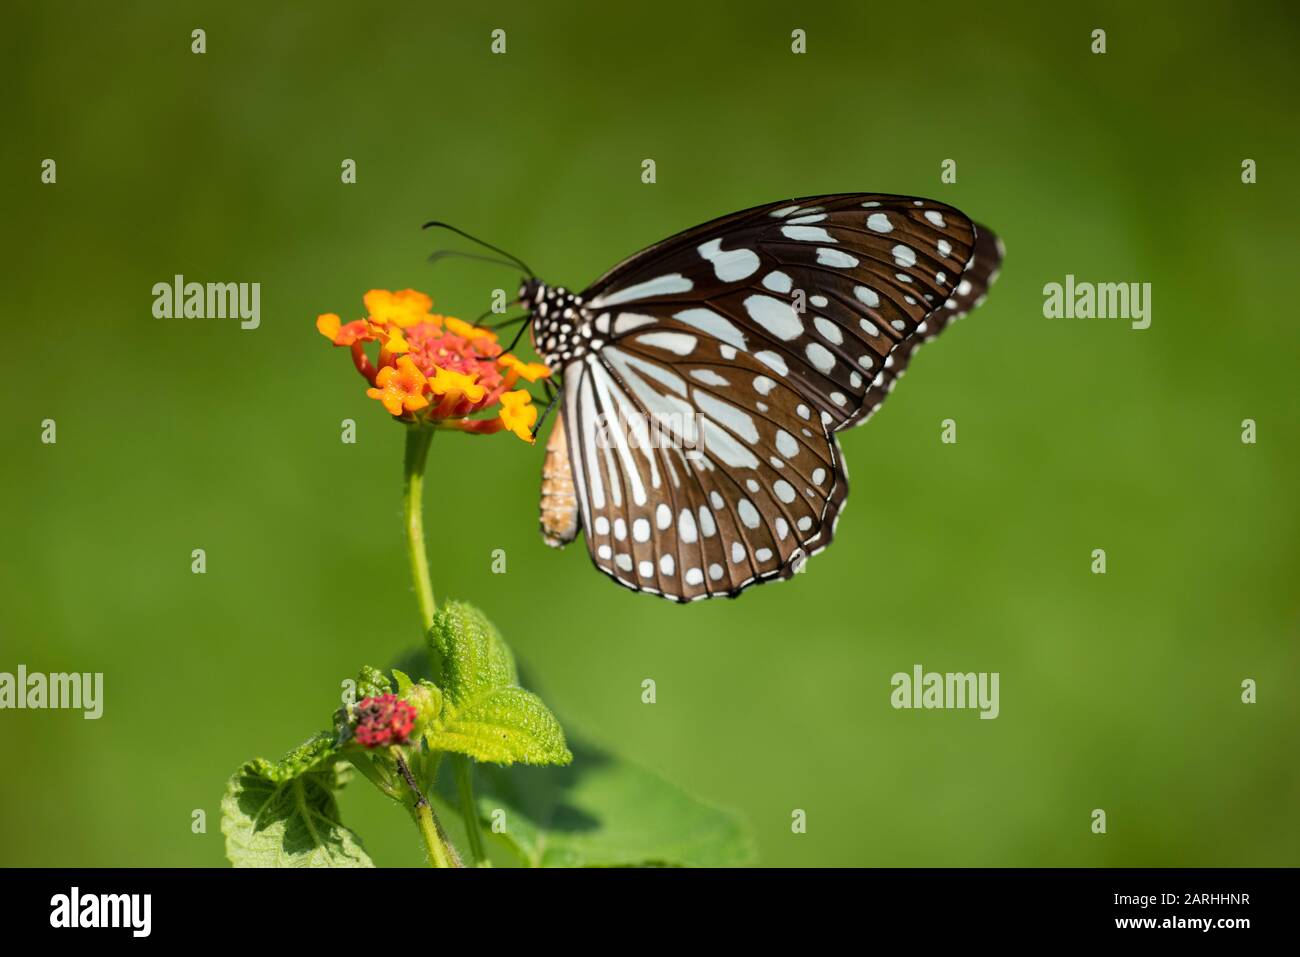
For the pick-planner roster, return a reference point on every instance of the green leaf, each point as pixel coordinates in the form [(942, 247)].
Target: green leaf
[(484, 713), (474, 658), (604, 812), (371, 683), (403, 681), (284, 814), (503, 726)]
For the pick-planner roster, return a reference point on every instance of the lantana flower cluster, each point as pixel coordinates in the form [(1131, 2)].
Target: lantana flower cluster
[(434, 369), (383, 720)]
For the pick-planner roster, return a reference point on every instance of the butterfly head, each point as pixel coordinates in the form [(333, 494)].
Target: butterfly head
[(530, 290)]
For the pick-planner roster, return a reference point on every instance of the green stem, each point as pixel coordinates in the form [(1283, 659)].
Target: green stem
[(418, 439), (438, 852), (469, 810), (439, 849)]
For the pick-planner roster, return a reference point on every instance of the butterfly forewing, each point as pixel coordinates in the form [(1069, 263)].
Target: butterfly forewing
[(980, 273), (822, 289)]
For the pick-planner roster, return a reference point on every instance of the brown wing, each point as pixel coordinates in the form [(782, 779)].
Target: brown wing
[(823, 290), (698, 472), (980, 273), (559, 501)]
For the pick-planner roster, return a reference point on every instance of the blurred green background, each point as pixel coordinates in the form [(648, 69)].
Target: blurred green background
[(1119, 691)]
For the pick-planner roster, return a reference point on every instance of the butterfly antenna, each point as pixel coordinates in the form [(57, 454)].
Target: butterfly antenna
[(438, 254), (435, 224), (505, 323)]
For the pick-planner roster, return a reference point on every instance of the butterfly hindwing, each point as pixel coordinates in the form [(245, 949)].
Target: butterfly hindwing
[(701, 477)]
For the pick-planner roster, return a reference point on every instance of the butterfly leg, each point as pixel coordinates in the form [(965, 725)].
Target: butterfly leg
[(555, 397)]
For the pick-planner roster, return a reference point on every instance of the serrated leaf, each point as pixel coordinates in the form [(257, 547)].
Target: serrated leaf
[(601, 811), (371, 683), (503, 726), (284, 814), (485, 714), (315, 750), (474, 657)]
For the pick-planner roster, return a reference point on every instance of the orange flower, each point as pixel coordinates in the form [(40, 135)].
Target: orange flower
[(457, 386), (328, 325), (436, 370), (400, 388), (518, 414), (462, 328), (517, 369), (404, 309)]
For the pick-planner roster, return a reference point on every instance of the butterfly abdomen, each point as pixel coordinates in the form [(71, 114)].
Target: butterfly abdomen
[(559, 501)]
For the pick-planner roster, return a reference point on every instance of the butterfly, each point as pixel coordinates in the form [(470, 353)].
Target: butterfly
[(702, 381)]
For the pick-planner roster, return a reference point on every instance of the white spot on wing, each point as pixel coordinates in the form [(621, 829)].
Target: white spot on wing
[(678, 343), (836, 258), (808, 234), (722, 445), (627, 321), (713, 324), (624, 362), (774, 315), (778, 281), (830, 332), (821, 357), (661, 286), (904, 255), (727, 414), (730, 265), (709, 377), (773, 361)]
